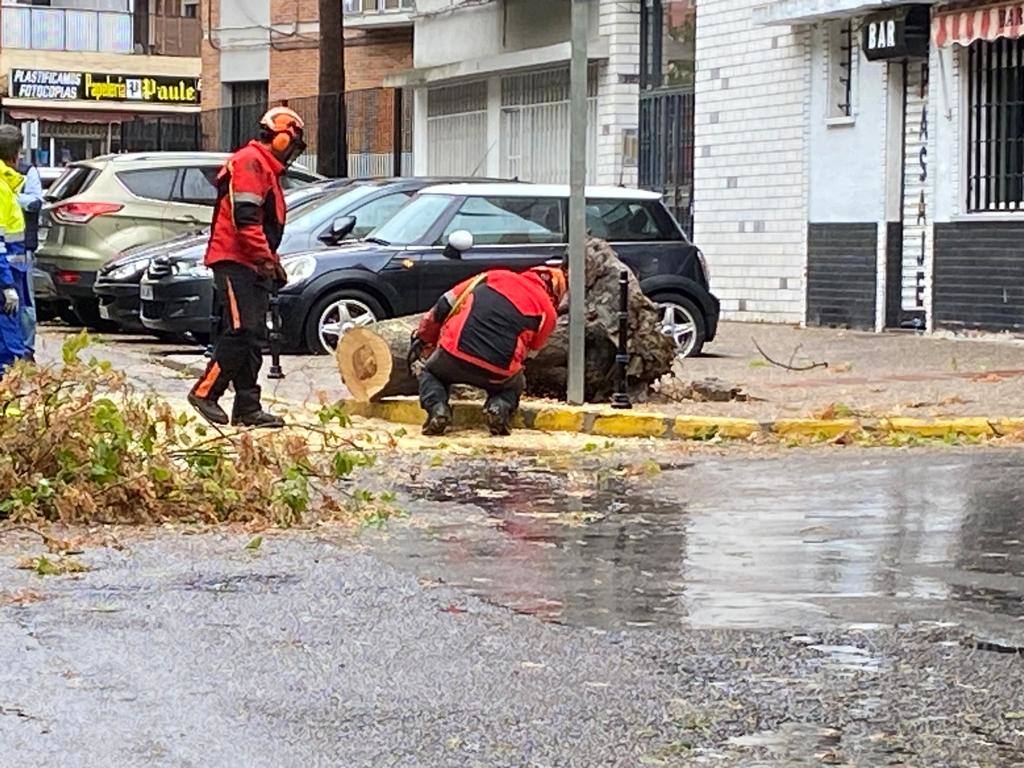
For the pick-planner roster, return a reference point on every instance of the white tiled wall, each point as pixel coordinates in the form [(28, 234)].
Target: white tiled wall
[(618, 91), (751, 160)]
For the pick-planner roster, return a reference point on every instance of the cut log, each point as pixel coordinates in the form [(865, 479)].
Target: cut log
[(373, 364), (372, 360)]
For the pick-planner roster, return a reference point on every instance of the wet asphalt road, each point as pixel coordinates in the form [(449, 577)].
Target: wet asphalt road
[(829, 608)]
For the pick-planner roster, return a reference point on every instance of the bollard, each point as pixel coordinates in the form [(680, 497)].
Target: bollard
[(275, 372), (621, 397)]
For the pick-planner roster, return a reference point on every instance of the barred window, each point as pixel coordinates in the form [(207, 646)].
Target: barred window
[(995, 126), (840, 70)]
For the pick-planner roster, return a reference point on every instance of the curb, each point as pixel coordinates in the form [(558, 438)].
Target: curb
[(605, 422)]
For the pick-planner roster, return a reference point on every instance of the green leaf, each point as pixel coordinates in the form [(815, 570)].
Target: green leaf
[(46, 567), (74, 345), (255, 543)]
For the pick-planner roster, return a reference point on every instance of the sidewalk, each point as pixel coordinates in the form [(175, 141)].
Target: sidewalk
[(869, 375)]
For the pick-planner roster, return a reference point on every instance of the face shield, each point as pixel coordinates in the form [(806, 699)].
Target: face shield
[(296, 147)]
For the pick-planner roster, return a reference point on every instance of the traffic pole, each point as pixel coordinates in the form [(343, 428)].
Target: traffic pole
[(577, 200)]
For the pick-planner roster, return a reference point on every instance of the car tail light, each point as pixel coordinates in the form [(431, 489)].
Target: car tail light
[(82, 213), (67, 277)]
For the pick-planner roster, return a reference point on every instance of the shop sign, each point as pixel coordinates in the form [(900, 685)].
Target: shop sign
[(900, 33), (57, 85)]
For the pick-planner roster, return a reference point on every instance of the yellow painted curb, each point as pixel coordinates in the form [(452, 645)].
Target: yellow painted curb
[(630, 425), (706, 427), (814, 428), (559, 420), (976, 427), (1008, 426)]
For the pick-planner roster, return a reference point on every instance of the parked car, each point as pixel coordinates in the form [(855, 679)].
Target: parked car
[(103, 206), (177, 291), (117, 284), (450, 232)]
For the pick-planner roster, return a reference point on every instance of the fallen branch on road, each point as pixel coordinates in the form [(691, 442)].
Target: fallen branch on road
[(788, 366), (80, 445)]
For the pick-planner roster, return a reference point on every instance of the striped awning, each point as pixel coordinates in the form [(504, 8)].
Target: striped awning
[(969, 25)]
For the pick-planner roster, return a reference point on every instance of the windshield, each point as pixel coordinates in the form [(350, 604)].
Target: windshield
[(412, 223), (339, 201)]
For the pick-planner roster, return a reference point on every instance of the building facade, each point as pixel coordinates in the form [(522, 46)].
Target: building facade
[(261, 52), (88, 77), (490, 83), (861, 164)]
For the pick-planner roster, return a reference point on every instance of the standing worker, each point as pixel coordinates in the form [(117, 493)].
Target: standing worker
[(248, 222), (480, 333), (12, 246), (31, 200)]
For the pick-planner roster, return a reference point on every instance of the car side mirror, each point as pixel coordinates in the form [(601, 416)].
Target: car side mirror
[(459, 242), (341, 228)]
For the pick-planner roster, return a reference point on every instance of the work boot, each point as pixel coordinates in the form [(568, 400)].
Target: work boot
[(208, 409), (438, 419), (498, 417), (259, 420)]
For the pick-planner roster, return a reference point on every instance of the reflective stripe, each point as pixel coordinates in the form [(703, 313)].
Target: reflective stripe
[(247, 197), (15, 237)]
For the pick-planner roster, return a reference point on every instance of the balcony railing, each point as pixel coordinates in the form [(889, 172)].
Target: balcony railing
[(377, 6), (67, 29)]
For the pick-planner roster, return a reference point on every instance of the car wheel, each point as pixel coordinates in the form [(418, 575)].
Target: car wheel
[(683, 322), (337, 313), (67, 313), (88, 311)]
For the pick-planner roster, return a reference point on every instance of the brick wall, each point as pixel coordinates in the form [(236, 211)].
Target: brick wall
[(618, 89), (750, 179), (842, 261)]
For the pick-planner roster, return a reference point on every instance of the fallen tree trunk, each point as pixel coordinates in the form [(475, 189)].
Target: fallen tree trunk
[(372, 361)]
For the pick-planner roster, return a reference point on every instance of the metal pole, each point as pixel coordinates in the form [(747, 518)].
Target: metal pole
[(275, 372), (577, 200)]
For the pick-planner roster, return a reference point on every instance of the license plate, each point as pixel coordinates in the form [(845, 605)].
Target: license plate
[(146, 292), (105, 311)]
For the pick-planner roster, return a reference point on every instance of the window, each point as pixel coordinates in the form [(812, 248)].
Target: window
[(198, 186), (510, 221), (153, 184), (190, 9), (667, 43), (628, 221), (414, 222), (840, 70), (995, 126), (375, 213), (75, 181)]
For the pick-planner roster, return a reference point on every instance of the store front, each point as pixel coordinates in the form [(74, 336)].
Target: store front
[(979, 242), (79, 115)]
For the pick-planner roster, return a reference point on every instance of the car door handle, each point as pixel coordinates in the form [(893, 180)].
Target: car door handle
[(187, 220)]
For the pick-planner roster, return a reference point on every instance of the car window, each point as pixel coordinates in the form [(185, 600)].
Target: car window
[(74, 181), (628, 221), (151, 183), (376, 212), (413, 222), (198, 186), (509, 220), (339, 201), (295, 178)]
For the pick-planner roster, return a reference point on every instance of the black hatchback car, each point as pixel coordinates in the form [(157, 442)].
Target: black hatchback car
[(177, 290), (450, 232)]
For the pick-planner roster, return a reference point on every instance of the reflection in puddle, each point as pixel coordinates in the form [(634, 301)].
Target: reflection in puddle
[(799, 542)]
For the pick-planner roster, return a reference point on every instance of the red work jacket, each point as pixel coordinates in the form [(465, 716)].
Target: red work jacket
[(248, 219), (496, 322)]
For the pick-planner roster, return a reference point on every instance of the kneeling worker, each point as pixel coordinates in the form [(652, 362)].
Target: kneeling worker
[(480, 333)]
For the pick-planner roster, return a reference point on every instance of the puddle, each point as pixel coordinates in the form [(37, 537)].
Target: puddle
[(801, 543)]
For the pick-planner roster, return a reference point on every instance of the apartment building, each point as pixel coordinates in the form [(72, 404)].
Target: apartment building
[(261, 52), (861, 164), (93, 76), (490, 83)]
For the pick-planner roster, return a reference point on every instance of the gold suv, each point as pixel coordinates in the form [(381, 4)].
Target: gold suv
[(106, 205)]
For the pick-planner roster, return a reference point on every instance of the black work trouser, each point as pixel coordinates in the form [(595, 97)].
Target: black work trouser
[(244, 297), (443, 369)]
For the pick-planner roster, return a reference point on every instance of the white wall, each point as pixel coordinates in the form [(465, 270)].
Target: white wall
[(243, 40), (946, 152), (847, 158), (467, 33), (618, 89), (751, 167)]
